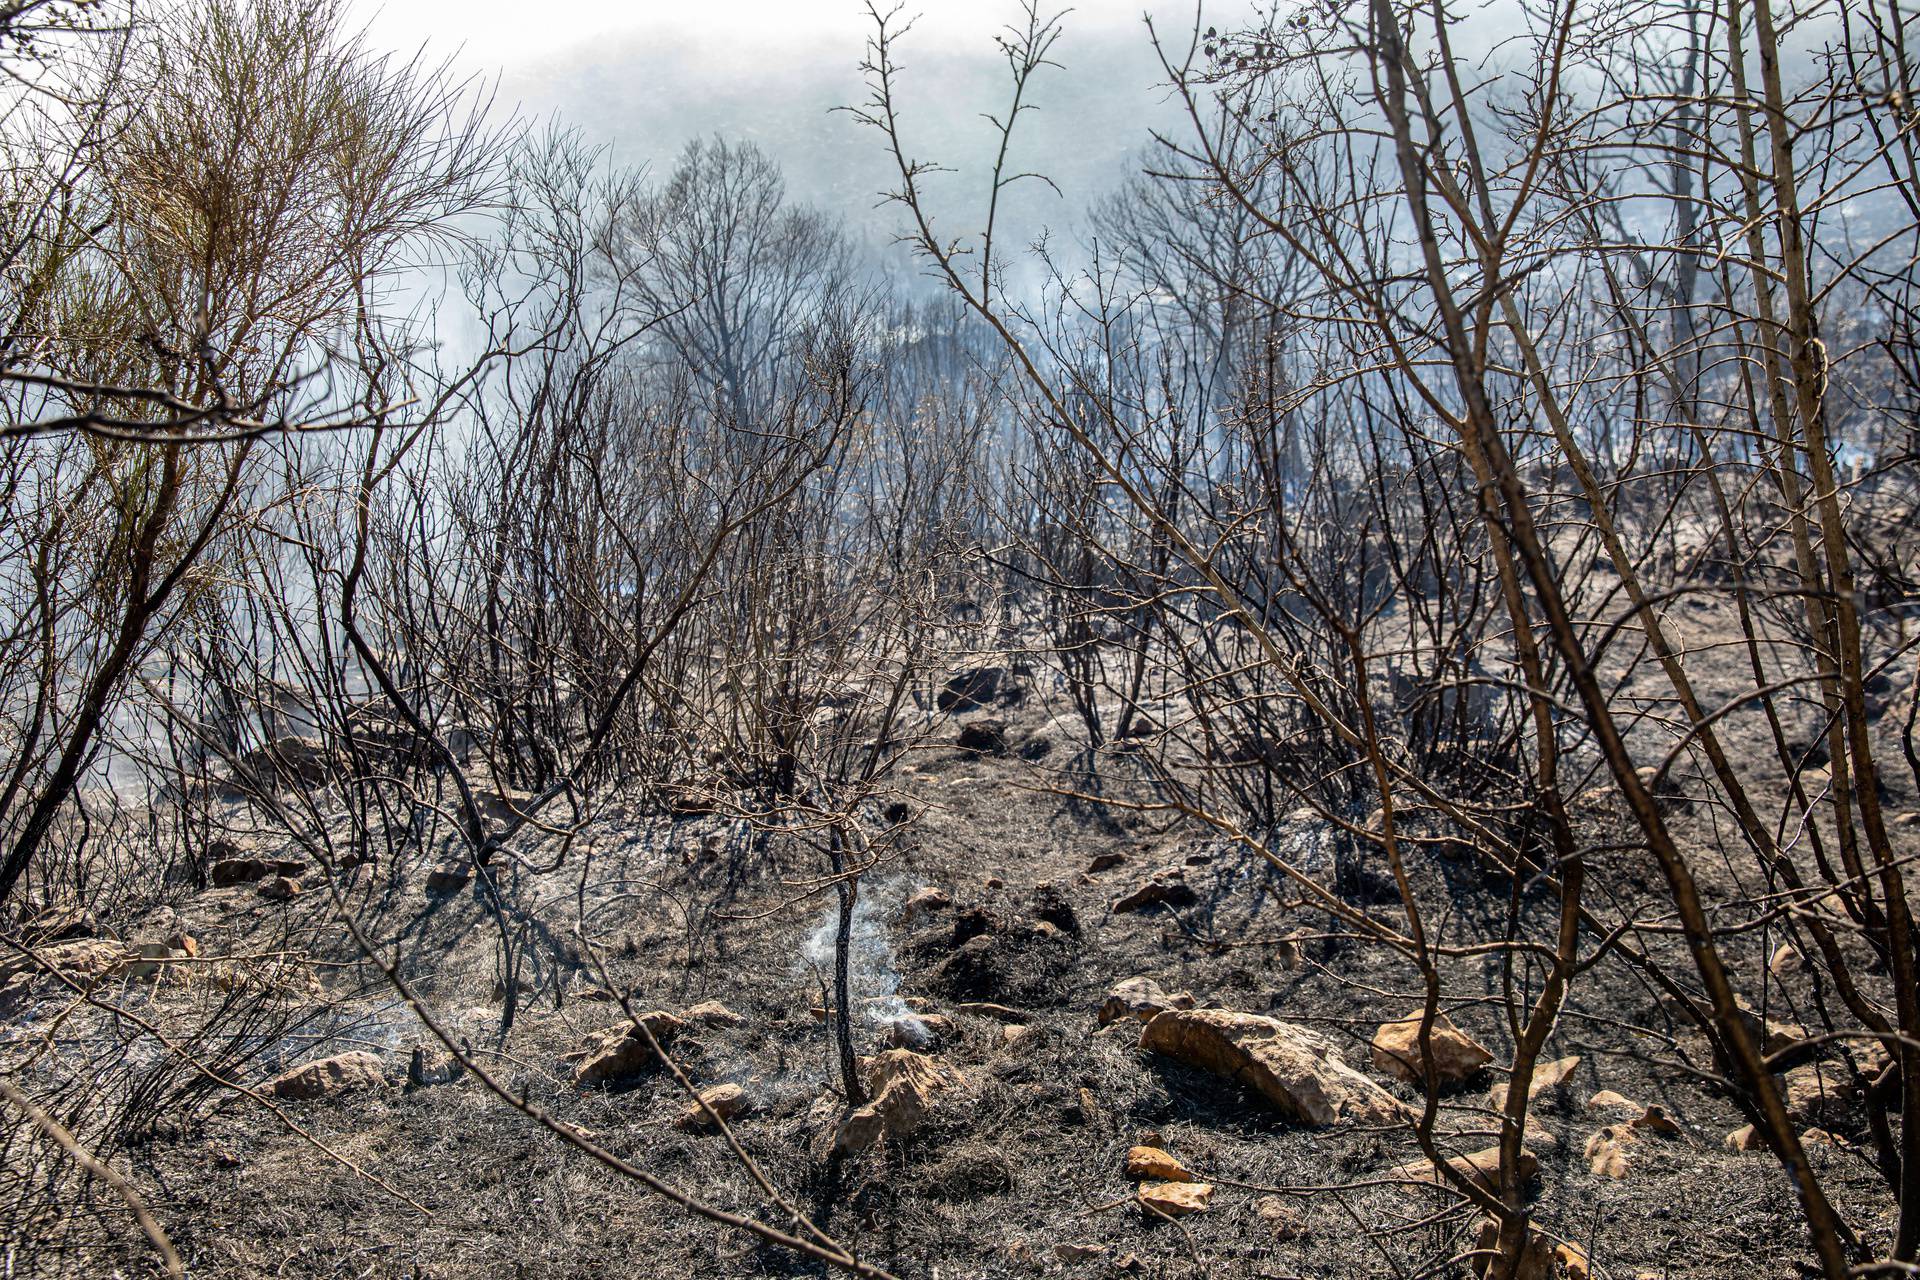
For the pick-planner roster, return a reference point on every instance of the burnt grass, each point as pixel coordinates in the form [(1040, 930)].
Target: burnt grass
[(1026, 1155)]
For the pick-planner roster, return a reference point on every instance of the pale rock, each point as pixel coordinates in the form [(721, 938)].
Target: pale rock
[(1547, 1076), (1139, 999), (1281, 1218), (1482, 1168), (1607, 1152), (1786, 960), (902, 1087), (329, 1077), (615, 1052), (1175, 1199), (725, 1100), (1745, 1138), (1152, 1163), (1457, 1056), (1297, 1071), (711, 1013), (1608, 1100)]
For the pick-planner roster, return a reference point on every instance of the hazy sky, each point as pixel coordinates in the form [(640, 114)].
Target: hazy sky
[(645, 77)]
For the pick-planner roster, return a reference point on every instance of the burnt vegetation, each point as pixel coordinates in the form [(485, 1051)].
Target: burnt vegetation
[(1360, 721)]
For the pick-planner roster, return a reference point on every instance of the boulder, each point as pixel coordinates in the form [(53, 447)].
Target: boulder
[(329, 1077), (1608, 1100), (621, 1051), (983, 737), (975, 688), (280, 889), (61, 922), (1536, 1255), (902, 1087), (1457, 1056), (1157, 1165), (1174, 1199), (1164, 888), (1139, 999), (83, 960), (1296, 1071), (1818, 1091), (1547, 1076), (724, 1100)]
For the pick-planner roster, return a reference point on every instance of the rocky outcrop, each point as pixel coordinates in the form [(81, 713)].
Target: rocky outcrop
[(1296, 1071)]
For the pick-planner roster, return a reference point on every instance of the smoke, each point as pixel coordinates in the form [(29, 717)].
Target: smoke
[(874, 983)]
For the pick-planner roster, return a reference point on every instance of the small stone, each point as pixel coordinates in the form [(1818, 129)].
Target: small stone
[(1139, 999), (724, 1100), (1281, 1218), (1071, 1253), (1745, 1138), (1655, 1120), (1175, 1199), (280, 889), (1606, 1152), (1157, 1165), (329, 1077), (925, 900), (1818, 1091), (994, 884), (1164, 888), (1786, 960), (1105, 862)]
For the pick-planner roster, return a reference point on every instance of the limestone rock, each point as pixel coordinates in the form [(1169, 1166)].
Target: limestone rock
[(1297, 1071), (1157, 1165), (329, 1077), (1608, 1100), (711, 1013), (1281, 1218), (1818, 1091), (1745, 1138), (1457, 1056), (1175, 1199), (1547, 1076), (1608, 1151), (622, 1051), (902, 1087), (725, 1100), (925, 900), (1786, 960), (280, 889), (1071, 1253), (1139, 999)]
